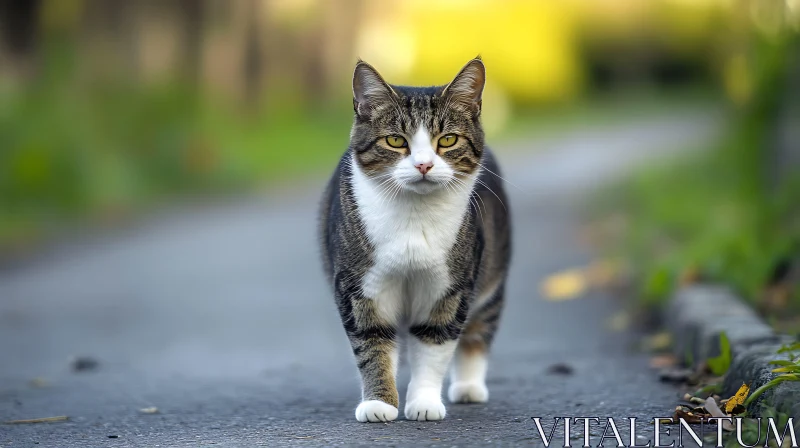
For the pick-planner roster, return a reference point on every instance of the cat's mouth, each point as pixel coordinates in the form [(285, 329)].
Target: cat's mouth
[(422, 185)]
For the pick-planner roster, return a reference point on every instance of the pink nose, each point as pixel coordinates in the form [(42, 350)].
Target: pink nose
[(424, 167)]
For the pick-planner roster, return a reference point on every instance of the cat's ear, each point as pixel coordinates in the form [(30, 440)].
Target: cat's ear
[(370, 92), (467, 87)]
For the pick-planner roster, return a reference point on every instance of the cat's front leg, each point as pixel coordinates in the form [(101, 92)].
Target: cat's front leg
[(376, 355), (373, 337), (431, 348)]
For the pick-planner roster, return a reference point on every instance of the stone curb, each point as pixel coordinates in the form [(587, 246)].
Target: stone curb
[(697, 314)]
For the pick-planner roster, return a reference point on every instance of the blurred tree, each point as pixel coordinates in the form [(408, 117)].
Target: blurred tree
[(192, 14), (252, 69), (18, 20), (110, 45), (18, 26)]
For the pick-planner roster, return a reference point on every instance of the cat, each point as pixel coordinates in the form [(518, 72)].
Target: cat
[(415, 239)]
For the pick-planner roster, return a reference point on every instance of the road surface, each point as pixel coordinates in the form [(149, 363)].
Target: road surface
[(220, 317)]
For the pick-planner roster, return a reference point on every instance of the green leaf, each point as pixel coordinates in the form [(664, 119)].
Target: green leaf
[(780, 362), (719, 365), (790, 348), (789, 369)]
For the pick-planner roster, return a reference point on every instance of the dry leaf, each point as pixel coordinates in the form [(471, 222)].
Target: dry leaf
[(564, 285), (38, 383), (737, 399), (688, 415), (658, 342), (60, 418), (663, 361), (601, 273), (714, 410), (619, 322), (696, 400)]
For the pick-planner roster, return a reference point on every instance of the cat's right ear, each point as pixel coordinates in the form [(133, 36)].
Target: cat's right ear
[(370, 92)]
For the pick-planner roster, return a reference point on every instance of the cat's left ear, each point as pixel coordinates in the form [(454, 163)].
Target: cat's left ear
[(467, 86), (370, 92)]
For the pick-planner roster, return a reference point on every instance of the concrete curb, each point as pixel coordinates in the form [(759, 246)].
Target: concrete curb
[(697, 315)]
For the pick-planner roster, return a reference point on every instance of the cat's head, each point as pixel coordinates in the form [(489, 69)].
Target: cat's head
[(418, 139)]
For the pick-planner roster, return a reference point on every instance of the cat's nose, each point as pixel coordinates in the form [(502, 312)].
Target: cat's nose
[(424, 167)]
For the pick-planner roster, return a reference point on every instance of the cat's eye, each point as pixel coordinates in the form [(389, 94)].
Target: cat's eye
[(395, 141), (448, 141)]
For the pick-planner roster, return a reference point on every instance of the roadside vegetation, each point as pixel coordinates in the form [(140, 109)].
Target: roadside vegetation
[(729, 213)]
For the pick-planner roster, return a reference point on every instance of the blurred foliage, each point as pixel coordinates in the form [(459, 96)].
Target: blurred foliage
[(731, 214), (107, 106), (688, 216), (108, 150)]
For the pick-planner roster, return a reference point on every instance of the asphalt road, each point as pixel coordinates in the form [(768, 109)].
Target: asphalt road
[(219, 317)]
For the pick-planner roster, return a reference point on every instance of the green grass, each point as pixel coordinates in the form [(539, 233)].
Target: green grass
[(698, 214), (70, 154)]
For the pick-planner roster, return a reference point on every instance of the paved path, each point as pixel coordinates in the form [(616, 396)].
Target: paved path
[(220, 318)]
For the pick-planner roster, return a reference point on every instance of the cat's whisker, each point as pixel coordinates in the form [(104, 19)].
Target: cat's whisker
[(464, 187), (389, 178), (397, 192), (383, 195), (459, 187), (394, 192), (491, 191), (499, 177), (477, 195)]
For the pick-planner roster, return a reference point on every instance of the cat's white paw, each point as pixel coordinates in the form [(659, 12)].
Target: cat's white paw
[(468, 392), (425, 408), (375, 411)]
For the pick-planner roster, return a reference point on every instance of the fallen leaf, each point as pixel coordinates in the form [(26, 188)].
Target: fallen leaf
[(662, 361), (564, 285), (38, 383), (60, 418), (738, 410), (657, 342), (714, 410), (738, 398), (696, 400), (619, 322), (687, 415), (601, 273)]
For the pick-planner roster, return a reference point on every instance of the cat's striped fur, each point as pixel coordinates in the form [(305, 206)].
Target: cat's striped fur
[(417, 252)]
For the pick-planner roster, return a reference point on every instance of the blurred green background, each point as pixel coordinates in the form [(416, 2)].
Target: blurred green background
[(109, 107)]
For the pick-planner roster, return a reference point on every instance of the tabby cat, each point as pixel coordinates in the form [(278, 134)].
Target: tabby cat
[(415, 240)]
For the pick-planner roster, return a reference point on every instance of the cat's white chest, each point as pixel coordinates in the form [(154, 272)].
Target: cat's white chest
[(412, 236)]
